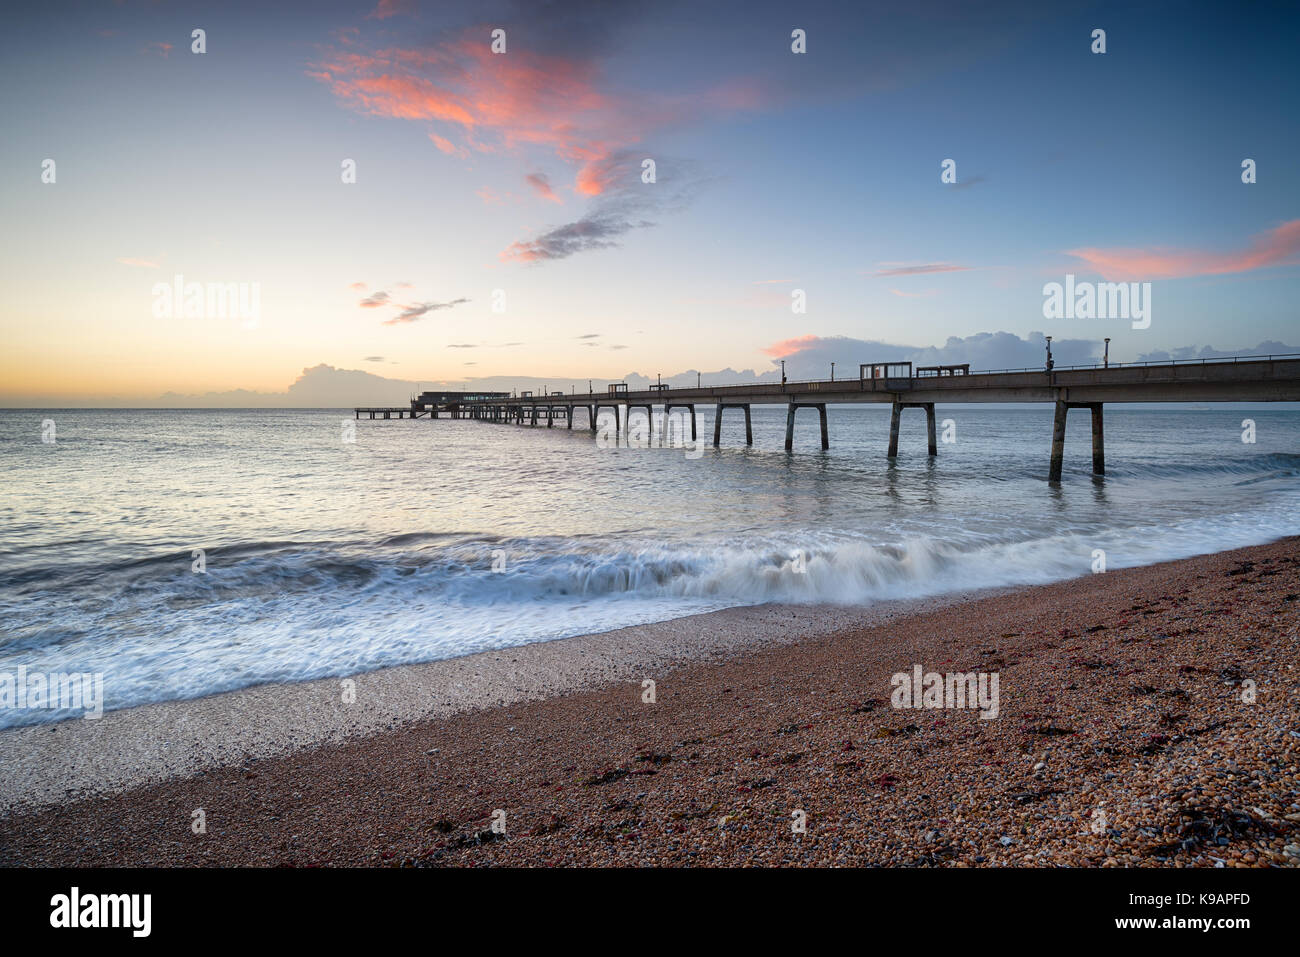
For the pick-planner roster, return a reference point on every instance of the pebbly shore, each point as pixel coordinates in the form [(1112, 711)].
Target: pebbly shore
[(1145, 717)]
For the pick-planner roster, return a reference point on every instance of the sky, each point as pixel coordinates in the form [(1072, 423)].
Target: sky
[(398, 203)]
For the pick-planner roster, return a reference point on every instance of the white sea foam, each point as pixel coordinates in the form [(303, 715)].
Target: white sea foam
[(287, 615)]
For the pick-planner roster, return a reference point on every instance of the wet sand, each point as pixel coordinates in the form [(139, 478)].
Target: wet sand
[(1146, 716)]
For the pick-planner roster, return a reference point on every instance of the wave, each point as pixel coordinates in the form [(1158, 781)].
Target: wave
[(1260, 467), (293, 613)]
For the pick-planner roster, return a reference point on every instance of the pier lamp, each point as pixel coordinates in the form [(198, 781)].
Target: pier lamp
[(1105, 359), (1049, 353), (783, 373), (832, 371)]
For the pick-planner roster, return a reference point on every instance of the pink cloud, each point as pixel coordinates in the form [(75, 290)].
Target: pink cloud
[(447, 146), (523, 99), (913, 295), (131, 261), (788, 347), (1279, 246), (390, 8)]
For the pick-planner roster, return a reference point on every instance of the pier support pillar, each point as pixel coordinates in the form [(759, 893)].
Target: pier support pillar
[(896, 418), (717, 423), (789, 423), (1098, 442), (550, 416), (1058, 442)]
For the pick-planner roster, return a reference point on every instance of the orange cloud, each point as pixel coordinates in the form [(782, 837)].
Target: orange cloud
[(788, 347), (1279, 246)]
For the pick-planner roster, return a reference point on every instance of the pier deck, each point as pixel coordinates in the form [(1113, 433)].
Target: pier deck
[(1239, 379)]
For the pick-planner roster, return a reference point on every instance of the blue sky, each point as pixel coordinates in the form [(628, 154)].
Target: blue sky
[(520, 173)]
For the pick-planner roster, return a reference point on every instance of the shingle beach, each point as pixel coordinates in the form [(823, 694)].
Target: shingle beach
[(1147, 717)]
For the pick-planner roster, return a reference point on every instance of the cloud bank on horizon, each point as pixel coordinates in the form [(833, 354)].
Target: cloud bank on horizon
[(324, 386)]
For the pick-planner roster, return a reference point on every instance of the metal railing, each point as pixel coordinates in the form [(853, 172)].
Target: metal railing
[(849, 384)]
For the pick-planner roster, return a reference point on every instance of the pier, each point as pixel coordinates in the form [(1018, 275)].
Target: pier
[(431, 404), (1239, 379)]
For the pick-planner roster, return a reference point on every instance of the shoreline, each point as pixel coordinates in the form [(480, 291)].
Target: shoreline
[(46, 763), (1122, 695)]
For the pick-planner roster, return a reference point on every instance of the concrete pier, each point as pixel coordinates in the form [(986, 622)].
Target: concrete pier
[(895, 420), (1057, 460), (690, 410), (1239, 379), (789, 423), (717, 422)]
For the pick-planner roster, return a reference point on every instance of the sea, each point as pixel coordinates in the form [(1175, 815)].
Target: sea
[(181, 553)]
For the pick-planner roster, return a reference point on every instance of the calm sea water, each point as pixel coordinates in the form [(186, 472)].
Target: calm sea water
[(328, 558)]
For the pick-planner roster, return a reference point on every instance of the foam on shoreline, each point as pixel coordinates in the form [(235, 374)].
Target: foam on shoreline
[(54, 763)]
